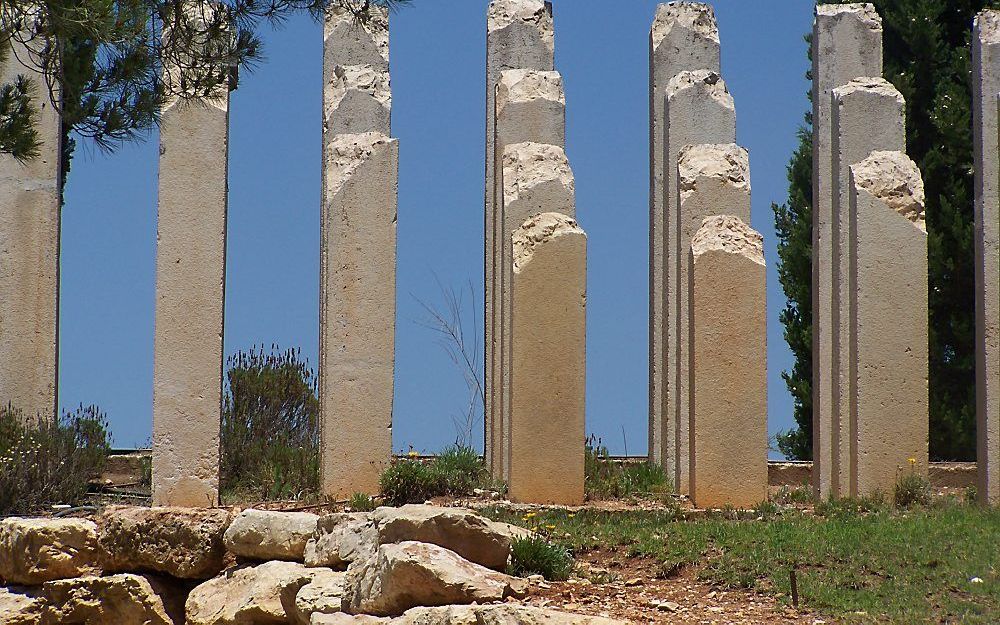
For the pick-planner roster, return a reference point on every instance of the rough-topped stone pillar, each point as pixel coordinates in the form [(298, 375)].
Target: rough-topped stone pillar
[(985, 87), (867, 115), (548, 381), (535, 178), (358, 312), (30, 199), (684, 36), (888, 373), (847, 43), (357, 99), (728, 337), (519, 35), (190, 299), (530, 107), (697, 110)]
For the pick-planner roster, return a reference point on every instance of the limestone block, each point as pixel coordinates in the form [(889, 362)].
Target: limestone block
[(348, 41), (341, 538), (519, 35), (33, 551), (250, 594), (494, 614), (867, 115), (530, 106), (985, 87), (182, 542), (21, 606), (30, 198), (684, 36), (270, 535), (322, 595), (357, 99), (847, 43), (697, 110), (357, 312), (533, 178), (410, 574), (728, 337), (123, 598), (888, 373), (548, 360)]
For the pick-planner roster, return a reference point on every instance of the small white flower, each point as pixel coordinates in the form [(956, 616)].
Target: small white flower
[(976, 580)]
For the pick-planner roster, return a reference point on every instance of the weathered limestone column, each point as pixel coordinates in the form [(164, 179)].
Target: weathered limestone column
[(530, 107), (548, 361), (357, 99), (684, 36), (728, 336), (535, 178), (847, 43), (190, 300), (867, 115), (697, 110), (358, 312), (519, 35), (985, 87), (889, 397), (30, 199)]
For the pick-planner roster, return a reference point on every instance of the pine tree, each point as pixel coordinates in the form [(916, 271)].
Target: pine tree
[(926, 45)]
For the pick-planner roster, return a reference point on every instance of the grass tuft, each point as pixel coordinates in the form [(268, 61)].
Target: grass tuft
[(537, 556), (912, 490), (457, 471), (607, 479), (360, 502)]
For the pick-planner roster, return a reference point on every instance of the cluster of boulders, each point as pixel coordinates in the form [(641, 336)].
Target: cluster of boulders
[(173, 566)]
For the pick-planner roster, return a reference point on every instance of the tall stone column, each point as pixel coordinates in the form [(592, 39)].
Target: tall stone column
[(548, 382), (535, 178), (358, 312), (530, 107), (519, 35), (847, 43), (684, 36), (889, 397), (697, 110), (985, 87), (30, 199), (867, 115), (190, 299), (728, 337)]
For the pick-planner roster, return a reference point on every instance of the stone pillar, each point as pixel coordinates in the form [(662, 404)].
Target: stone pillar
[(888, 373), (530, 106), (535, 178), (519, 35), (30, 199), (728, 337), (867, 114), (358, 312), (357, 99), (548, 381), (684, 36), (190, 299), (847, 43), (697, 110), (985, 87)]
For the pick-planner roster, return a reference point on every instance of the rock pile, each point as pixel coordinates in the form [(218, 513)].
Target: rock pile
[(172, 566)]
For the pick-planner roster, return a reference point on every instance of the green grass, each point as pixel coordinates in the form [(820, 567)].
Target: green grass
[(861, 563), (538, 556), (456, 471), (605, 478)]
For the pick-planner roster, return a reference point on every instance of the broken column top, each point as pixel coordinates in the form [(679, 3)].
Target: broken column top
[(728, 234), (350, 41), (523, 85), (503, 13), (988, 25), (727, 162), (894, 179), (863, 11), (347, 152), (533, 164), (372, 80), (708, 81), (874, 85), (537, 230), (697, 17)]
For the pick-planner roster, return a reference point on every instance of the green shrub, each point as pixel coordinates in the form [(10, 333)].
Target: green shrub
[(270, 427), (408, 481), (49, 461), (912, 490), (360, 502), (605, 478), (458, 471), (537, 556)]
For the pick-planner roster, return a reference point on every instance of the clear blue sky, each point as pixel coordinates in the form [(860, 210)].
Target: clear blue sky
[(438, 84)]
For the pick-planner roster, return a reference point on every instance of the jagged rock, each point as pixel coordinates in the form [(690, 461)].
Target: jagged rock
[(123, 598), (20, 606), (183, 542), (250, 594), (341, 538), (267, 535), (502, 614), (471, 536), (322, 595), (33, 551), (410, 574)]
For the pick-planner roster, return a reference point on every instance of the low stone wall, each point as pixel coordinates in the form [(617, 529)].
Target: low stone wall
[(940, 474)]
